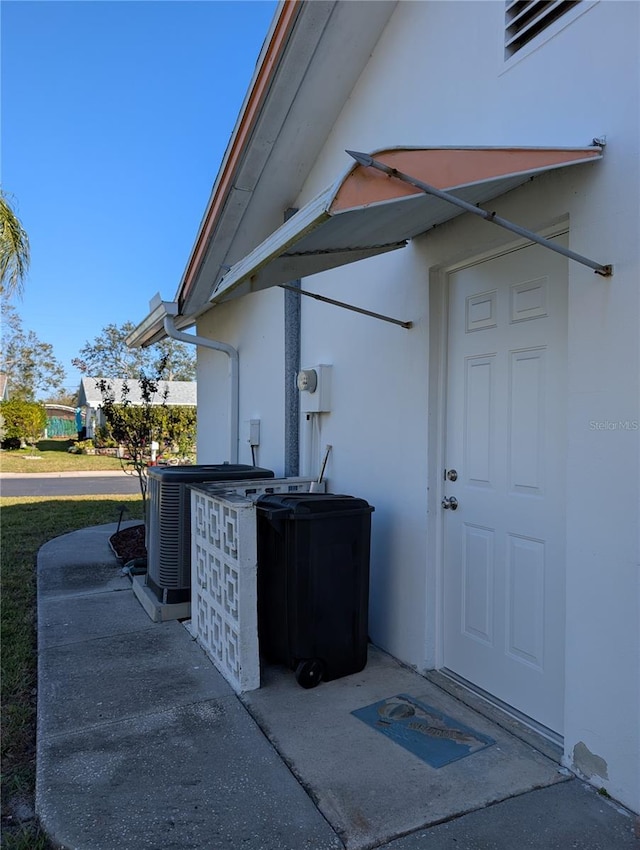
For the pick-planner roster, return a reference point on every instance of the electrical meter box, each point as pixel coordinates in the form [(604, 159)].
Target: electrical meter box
[(314, 384)]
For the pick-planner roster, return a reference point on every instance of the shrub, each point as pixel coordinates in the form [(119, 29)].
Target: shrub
[(82, 447), (23, 420), (103, 438), (180, 428)]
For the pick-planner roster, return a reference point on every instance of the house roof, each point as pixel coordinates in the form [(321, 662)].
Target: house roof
[(180, 393), (255, 184)]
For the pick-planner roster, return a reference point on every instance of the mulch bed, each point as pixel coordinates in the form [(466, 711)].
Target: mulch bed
[(128, 543)]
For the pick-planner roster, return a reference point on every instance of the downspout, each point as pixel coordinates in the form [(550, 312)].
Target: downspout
[(234, 377), (291, 368)]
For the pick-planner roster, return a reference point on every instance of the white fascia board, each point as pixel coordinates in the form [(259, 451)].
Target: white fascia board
[(308, 30), (232, 139), (148, 331), (306, 62)]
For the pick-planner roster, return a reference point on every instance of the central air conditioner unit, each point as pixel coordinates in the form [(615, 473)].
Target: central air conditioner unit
[(168, 525)]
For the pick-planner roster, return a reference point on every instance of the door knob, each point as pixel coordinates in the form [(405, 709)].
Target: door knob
[(450, 503)]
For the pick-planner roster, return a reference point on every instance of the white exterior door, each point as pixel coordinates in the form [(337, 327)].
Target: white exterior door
[(504, 573)]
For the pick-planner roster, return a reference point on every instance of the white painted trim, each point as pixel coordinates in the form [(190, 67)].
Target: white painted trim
[(555, 228), (438, 312)]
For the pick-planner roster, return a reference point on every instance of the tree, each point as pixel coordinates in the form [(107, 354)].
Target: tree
[(62, 397), (29, 364), (108, 356), (179, 360), (135, 426), (14, 250)]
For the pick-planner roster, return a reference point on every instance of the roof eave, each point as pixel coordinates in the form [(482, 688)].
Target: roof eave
[(151, 328), (291, 74)]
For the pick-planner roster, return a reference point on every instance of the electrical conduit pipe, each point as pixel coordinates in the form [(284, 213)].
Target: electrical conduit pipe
[(234, 377)]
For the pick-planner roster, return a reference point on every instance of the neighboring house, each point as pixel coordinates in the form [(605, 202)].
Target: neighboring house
[(4, 387), (179, 394), (515, 389), (61, 421)]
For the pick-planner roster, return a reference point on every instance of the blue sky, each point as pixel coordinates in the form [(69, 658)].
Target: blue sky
[(115, 118)]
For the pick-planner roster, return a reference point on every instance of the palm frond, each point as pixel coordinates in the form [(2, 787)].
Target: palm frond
[(14, 250)]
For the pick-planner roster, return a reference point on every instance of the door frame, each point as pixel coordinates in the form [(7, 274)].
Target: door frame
[(436, 424)]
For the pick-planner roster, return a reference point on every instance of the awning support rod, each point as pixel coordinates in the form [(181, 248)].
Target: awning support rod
[(346, 306), (368, 161)]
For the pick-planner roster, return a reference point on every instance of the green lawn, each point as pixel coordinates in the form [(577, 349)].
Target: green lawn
[(52, 456), (28, 523)]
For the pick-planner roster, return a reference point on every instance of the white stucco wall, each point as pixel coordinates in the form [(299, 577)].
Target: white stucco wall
[(554, 96), (377, 427), (254, 326), (437, 77)]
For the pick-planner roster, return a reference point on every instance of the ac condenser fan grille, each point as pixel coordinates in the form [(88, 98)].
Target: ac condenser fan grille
[(170, 536)]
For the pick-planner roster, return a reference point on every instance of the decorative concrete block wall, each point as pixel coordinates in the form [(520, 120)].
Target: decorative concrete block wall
[(224, 617), (224, 611)]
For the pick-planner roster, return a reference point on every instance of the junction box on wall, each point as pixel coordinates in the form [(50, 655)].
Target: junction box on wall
[(252, 430), (314, 384)]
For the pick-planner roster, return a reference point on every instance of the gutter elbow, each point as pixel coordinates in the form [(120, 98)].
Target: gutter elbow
[(201, 341)]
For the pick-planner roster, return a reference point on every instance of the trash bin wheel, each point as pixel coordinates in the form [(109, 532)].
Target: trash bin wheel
[(309, 672)]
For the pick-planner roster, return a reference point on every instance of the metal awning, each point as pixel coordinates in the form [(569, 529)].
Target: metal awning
[(386, 199)]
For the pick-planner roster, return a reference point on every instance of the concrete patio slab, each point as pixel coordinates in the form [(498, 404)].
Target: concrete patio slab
[(569, 815), (368, 787)]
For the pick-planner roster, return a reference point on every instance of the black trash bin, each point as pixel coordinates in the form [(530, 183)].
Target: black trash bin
[(313, 583)]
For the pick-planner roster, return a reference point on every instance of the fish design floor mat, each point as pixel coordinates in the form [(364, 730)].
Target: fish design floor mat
[(426, 732)]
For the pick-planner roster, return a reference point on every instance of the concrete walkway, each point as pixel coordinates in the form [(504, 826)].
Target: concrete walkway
[(143, 745)]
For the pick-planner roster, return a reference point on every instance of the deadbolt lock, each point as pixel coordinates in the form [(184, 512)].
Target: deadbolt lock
[(452, 475)]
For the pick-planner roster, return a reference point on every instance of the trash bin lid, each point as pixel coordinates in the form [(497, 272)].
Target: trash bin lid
[(307, 505)]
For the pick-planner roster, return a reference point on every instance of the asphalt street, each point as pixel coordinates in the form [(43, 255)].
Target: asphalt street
[(118, 483)]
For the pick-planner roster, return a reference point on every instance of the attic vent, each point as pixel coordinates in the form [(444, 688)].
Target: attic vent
[(525, 19)]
